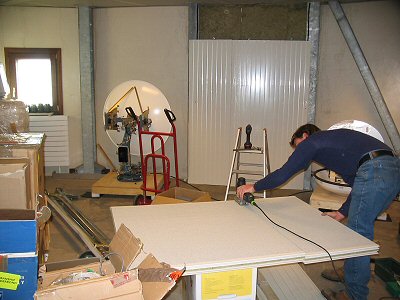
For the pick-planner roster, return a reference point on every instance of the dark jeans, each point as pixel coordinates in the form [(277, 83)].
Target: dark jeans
[(376, 185)]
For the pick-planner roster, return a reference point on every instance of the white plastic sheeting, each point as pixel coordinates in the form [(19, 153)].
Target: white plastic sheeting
[(235, 83)]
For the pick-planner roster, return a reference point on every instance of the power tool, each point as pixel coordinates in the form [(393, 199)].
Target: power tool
[(248, 145), (240, 181), (248, 198)]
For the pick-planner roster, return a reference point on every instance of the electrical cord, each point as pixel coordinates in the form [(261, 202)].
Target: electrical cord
[(308, 240)]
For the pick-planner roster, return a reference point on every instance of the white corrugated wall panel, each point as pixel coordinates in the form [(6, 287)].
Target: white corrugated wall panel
[(235, 83)]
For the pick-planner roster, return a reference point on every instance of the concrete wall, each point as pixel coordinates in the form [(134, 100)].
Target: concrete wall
[(32, 27), (341, 93), (149, 44)]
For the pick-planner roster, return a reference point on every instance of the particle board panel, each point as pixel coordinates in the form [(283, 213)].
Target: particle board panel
[(109, 184), (219, 236), (296, 215), (207, 236)]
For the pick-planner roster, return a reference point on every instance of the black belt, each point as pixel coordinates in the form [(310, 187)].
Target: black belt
[(374, 154)]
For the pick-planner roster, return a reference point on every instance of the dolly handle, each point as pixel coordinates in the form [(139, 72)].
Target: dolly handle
[(170, 115), (130, 112)]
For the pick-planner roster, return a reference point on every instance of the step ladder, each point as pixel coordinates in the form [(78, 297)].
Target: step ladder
[(250, 168)]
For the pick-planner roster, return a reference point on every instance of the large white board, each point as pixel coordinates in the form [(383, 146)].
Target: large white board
[(217, 236)]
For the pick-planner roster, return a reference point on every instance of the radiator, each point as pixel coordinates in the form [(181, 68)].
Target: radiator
[(56, 146)]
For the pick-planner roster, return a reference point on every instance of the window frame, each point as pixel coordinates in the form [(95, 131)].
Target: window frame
[(54, 54)]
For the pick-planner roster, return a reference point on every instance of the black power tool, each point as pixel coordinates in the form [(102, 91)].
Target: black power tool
[(247, 144), (248, 198)]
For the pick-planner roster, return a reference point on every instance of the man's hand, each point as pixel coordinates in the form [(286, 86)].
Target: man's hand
[(334, 215), (247, 188)]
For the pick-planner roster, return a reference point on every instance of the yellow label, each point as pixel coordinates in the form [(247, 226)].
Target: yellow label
[(9, 281), (237, 283)]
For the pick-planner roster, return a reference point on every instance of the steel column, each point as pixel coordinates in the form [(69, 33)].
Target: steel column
[(313, 38), (87, 88)]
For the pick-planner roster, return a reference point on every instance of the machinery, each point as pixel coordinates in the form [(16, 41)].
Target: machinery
[(121, 124)]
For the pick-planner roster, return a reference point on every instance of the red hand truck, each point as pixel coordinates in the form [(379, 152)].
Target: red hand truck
[(154, 156)]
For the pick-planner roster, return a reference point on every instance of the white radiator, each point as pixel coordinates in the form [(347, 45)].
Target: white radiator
[(56, 147)]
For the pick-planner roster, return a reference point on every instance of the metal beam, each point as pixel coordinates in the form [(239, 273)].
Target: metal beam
[(87, 88), (193, 21), (366, 74), (313, 38)]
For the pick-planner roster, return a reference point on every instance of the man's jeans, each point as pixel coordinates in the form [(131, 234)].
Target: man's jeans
[(376, 184)]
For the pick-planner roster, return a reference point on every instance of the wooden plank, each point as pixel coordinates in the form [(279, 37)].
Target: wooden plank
[(322, 198), (288, 282), (109, 184), (218, 236)]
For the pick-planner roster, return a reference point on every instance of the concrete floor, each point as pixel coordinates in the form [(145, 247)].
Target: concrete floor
[(66, 245)]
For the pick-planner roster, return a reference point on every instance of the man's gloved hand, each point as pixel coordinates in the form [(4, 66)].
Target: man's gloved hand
[(246, 188), (334, 215)]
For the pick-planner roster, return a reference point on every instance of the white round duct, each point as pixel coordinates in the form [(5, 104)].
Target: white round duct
[(331, 181)]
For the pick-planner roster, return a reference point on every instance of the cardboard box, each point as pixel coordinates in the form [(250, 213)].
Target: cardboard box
[(14, 183), (145, 277), (30, 146), (181, 195), (18, 254)]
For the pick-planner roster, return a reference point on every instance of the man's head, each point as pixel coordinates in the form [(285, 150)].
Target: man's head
[(302, 133)]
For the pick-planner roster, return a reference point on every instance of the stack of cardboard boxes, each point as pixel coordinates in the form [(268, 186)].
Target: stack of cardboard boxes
[(24, 241)]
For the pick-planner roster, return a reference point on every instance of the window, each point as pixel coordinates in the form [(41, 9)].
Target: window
[(35, 77)]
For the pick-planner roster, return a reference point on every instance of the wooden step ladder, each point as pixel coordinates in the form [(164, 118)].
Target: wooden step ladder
[(250, 168)]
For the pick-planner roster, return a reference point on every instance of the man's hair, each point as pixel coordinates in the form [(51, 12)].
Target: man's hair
[(307, 128)]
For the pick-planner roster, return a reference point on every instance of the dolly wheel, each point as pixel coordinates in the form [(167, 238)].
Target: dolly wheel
[(141, 200), (87, 254)]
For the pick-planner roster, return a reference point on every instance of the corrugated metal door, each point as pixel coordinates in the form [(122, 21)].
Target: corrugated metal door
[(235, 83)]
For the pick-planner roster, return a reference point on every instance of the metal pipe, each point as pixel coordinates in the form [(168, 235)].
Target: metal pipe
[(313, 38), (366, 74), (78, 230), (98, 237)]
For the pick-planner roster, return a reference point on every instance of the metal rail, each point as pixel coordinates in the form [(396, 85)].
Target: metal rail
[(91, 235)]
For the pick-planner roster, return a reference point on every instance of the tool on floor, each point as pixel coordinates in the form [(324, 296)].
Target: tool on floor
[(250, 168)]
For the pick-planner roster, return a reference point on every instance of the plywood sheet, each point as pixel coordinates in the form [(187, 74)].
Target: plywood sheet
[(216, 236)]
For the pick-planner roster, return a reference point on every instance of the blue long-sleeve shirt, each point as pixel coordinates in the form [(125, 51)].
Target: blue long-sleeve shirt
[(339, 150)]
